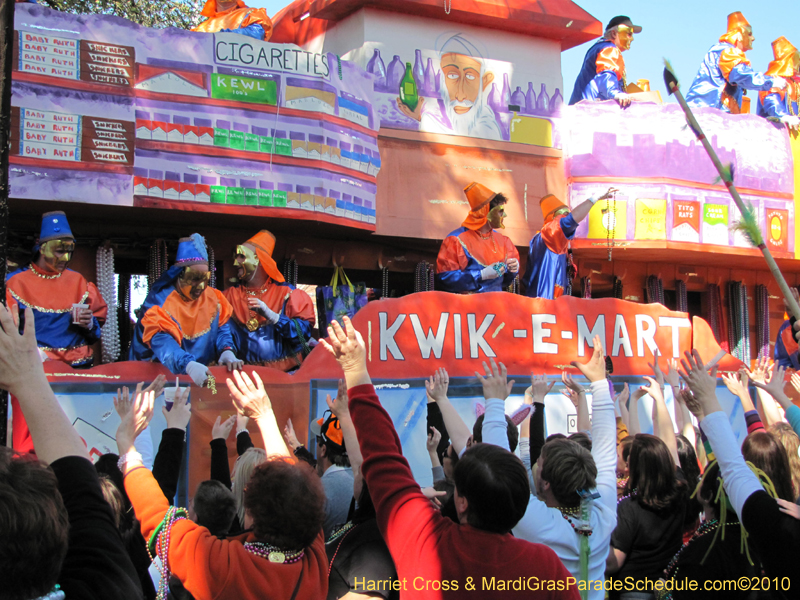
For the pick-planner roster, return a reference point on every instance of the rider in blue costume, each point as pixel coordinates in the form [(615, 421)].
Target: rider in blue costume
[(725, 71), (602, 76)]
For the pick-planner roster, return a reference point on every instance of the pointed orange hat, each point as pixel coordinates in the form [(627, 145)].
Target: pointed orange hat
[(549, 205), (479, 197), (783, 65), (264, 243), (737, 25)]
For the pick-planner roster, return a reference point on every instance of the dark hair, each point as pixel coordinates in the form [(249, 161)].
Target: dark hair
[(214, 506), (112, 495), (555, 436), (568, 467), (769, 455), (579, 437), (365, 509), (499, 198), (451, 455), (496, 487), (691, 468), (333, 453), (626, 444), (34, 527), (652, 474), (708, 491), (511, 429), (286, 502)]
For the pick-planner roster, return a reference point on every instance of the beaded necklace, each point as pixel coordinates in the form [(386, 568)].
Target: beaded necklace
[(35, 270), (342, 532), (159, 546), (631, 494), (274, 554), (488, 237), (708, 527)]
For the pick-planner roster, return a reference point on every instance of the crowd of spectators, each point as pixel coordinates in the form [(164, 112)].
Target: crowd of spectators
[(687, 511)]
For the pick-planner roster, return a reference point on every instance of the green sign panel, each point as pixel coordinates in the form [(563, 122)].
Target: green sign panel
[(244, 89), (715, 214)]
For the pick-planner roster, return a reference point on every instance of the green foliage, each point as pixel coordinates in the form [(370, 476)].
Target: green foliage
[(748, 225), (183, 14)]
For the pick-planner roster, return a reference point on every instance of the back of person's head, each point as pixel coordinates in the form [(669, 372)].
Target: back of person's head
[(113, 497), (499, 198), (555, 436), (652, 473), (761, 449), (691, 469), (511, 430), (495, 485), (784, 433), (245, 465), (568, 467), (107, 465), (34, 526), (708, 490), (214, 507), (287, 504), (329, 435), (582, 438)]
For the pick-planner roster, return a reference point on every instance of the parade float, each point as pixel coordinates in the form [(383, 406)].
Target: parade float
[(340, 136)]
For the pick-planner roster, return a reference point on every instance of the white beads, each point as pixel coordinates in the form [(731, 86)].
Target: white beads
[(108, 290)]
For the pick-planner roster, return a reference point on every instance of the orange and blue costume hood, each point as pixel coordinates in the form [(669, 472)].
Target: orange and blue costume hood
[(239, 17), (784, 52), (737, 29), (479, 197)]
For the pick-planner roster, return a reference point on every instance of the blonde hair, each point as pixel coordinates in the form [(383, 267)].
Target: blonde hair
[(785, 435), (243, 469)]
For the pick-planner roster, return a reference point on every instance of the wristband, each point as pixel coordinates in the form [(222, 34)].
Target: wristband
[(125, 458), (593, 200), (239, 431)]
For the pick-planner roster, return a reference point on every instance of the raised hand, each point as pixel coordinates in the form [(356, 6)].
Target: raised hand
[(761, 371), (672, 377), (736, 382), (222, 429), (653, 388), (688, 399), (702, 384), (135, 414), (540, 388), (290, 436), (434, 437), (595, 368), (495, 384), (338, 406), (249, 398), (180, 414), (656, 368), (571, 383), (157, 385), (775, 385), (622, 397), (347, 347), (436, 386)]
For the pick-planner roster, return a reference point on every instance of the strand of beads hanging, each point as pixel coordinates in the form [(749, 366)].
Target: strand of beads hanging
[(36, 272), (212, 282), (340, 532), (708, 527), (385, 282), (630, 494), (211, 384), (274, 554), (578, 530), (108, 290), (159, 546)]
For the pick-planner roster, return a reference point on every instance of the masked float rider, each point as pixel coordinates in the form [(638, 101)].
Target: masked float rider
[(272, 320), (602, 76), (50, 289), (236, 17), (726, 72), (184, 323), (546, 270), (475, 258), (777, 103)]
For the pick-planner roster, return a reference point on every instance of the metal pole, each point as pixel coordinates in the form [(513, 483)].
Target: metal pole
[(6, 58)]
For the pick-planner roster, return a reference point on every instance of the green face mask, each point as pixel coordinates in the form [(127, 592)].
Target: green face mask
[(496, 217)]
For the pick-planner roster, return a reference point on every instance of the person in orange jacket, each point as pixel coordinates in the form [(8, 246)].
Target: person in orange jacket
[(782, 103), (236, 17)]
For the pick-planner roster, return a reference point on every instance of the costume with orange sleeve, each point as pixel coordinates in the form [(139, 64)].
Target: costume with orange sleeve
[(177, 331), (725, 72), (223, 569), (240, 18), (781, 103), (546, 270), (467, 255), (277, 338)]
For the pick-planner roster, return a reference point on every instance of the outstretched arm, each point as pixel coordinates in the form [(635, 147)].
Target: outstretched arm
[(251, 400), (580, 212), (21, 373), (436, 388)]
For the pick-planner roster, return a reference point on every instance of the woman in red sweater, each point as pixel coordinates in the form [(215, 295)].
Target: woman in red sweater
[(282, 556)]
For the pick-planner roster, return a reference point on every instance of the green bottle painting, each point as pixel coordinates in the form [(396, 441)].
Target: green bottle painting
[(408, 89)]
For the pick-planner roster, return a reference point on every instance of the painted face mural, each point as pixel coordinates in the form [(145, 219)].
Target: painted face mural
[(246, 262), (56, 254), (193, 281), (462, 76)]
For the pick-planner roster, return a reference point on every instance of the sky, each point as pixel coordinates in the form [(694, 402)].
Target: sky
[(680, 30)]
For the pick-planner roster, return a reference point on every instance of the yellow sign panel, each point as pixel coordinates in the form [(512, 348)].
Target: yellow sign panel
[(651, 219), (608, 220), (794, 140)]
